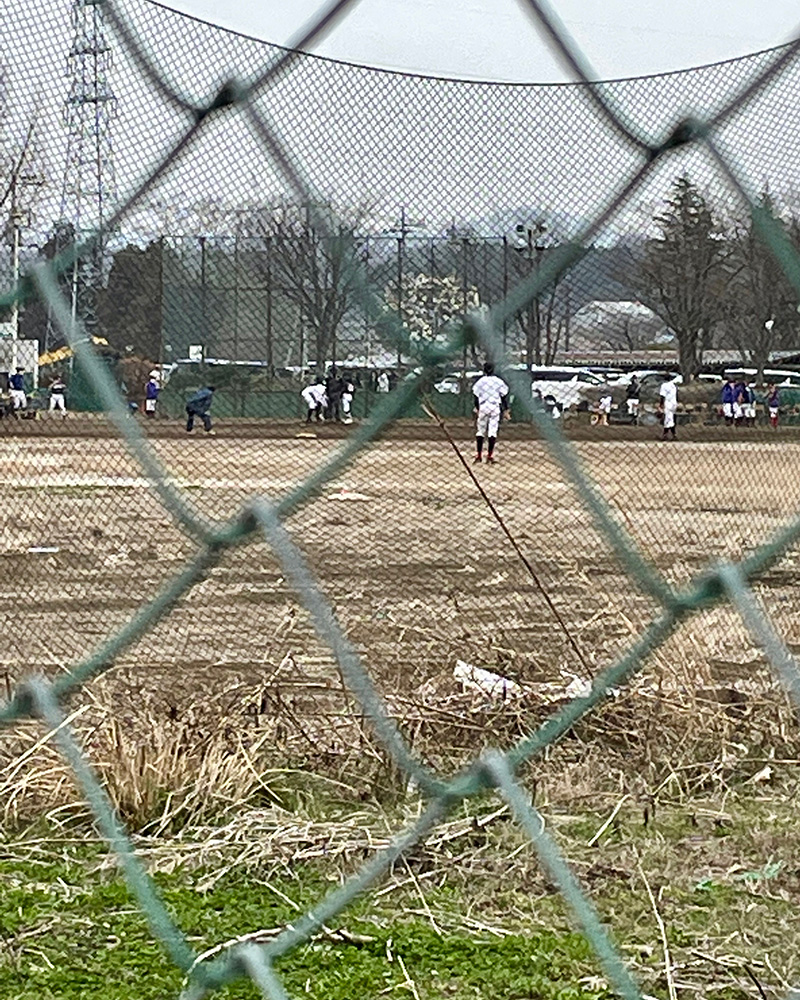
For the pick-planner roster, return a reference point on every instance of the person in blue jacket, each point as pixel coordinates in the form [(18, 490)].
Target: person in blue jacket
[(728, 399), (16, 388), (151, 391), (199, 405)]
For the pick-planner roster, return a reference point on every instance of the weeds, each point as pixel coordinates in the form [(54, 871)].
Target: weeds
[(468, 915)]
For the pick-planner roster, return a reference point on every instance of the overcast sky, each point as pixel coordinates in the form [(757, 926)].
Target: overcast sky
[(446, 152), (497, 40)]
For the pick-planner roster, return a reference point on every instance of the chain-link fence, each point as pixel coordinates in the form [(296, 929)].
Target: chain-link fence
[(258, 217)]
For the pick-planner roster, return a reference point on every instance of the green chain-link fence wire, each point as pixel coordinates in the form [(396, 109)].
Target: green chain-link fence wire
[(264, 518)]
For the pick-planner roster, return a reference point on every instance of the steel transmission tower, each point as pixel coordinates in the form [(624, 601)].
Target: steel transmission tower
[(89, 191)]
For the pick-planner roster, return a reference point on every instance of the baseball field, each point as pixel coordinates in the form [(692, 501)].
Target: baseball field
[(227, 738), (410, 554)]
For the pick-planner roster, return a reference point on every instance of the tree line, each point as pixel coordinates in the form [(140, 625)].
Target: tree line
[(301, 282)]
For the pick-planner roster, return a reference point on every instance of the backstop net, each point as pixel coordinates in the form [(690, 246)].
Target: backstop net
[(190, 208)]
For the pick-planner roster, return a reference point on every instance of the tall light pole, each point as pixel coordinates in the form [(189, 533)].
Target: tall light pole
[(18, 218), (89, 190), (401, 232), (15, 220), (527, 243)]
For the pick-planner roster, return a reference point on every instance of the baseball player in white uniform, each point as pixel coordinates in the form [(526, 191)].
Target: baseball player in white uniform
[(348, 391), (490, 395), (669, 404), (57, 389), (316, 400)]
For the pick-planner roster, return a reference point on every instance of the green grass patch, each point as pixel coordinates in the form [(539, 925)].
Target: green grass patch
[(70, 930), (475, 919)]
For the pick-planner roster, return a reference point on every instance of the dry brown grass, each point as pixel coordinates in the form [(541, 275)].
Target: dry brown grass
[(685, 726)]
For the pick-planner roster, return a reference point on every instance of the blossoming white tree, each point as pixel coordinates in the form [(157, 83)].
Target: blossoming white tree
[(427, 304)]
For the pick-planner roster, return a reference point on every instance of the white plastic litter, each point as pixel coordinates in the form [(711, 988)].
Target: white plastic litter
[(486, 682), (43, 548), (347, 495), (578, 687)]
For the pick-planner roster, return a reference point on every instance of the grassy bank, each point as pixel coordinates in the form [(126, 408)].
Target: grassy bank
[(701, 897)]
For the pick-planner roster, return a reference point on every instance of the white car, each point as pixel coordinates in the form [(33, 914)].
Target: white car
[(452, 383), (773, 376), (650, 375), (566, 386)]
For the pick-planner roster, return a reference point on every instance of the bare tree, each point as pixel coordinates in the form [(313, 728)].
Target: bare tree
[(21, 183), (546, 318), (618, 325), (760, 307), (21, 169), (681, 276), (313, 255)]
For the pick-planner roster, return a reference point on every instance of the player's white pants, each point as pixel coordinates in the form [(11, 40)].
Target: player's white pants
[(749, 410), (150, 405), (19, 399), (633, 407), (738, 411), (57, 402), (669, 416), (488, 422), (727, 411), (347, 399)]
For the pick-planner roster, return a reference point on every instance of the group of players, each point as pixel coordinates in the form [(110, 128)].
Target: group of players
[(331, 397), (739, 403), (18, 395)]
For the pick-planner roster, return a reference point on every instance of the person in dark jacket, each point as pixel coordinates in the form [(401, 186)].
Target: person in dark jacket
[(773, 404), (333, 390), (632, 395), (199, 405)]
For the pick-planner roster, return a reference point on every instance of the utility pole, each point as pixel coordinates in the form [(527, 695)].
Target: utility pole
[(402, 231), (88, 190)]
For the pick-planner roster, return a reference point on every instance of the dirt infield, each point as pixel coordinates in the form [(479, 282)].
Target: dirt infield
[(577, 427), (402, 543)]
